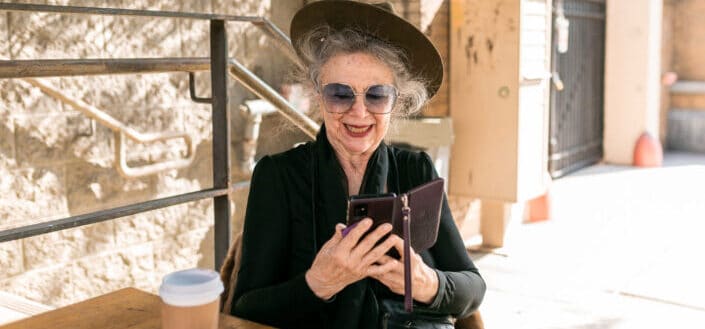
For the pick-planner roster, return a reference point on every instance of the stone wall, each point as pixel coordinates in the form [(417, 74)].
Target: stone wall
[(56, 162)]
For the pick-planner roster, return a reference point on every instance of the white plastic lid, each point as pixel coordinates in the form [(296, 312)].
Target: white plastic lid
[(191, 287)]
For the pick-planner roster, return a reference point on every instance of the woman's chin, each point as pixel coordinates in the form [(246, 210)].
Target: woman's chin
[(358, 149)]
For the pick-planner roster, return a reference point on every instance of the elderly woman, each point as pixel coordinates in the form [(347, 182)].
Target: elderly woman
[(366, 66)]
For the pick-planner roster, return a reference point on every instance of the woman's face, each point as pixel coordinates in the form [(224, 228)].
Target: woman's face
[(356, 131)]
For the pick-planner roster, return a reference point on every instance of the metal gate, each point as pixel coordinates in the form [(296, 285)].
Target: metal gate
[(576, 117)]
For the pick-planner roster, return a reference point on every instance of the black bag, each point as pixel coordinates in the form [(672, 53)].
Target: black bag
[(393, 316)]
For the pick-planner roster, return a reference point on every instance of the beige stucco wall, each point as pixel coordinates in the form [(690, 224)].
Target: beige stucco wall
[(499, 88), (632, 76), (55, 162), (484, 89)]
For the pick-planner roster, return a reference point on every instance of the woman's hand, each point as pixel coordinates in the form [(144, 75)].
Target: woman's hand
[(342, 260), (424, 280)]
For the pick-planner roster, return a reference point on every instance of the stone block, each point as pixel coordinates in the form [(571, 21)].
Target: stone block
[(142, 36), (67, 245), (96, 148), (10, 259), (32, 195), (90, 188), (143, 102), (184, 218), (139, 228), (84, 88), (195, 34), (201, 169), (100, 274), (48, 35), (246, 7), (51, 285), (181, 252), (67, 283), (170, 183), (20, 97), (175, 220), (167, 5), (7, 138), (4, 45), (47, 139)]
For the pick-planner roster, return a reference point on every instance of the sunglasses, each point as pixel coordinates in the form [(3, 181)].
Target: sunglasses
[(339, 98)]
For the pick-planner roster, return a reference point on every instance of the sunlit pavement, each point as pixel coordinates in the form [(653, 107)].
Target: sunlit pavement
[(624, 249)]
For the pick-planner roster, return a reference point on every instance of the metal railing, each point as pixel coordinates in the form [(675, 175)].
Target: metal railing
[(120, 131), (220, 67)]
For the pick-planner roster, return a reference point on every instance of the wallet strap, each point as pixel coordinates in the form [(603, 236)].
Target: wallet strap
[(406, 218)]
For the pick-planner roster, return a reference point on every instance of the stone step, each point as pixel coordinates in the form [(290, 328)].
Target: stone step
[(13, 308), (686, 130)]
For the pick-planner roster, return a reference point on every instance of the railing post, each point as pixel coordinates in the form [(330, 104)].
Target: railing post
[(221, 138)]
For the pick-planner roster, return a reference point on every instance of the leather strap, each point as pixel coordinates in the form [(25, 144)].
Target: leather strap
[(406, 218)]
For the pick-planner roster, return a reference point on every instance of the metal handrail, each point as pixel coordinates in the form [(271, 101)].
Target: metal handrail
[(120, 131), (108, 214), (281, 40), (264, 91), (221, 67), (72, 67), (36, 68)]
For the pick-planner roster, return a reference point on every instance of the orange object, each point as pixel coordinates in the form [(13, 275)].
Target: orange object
[(647, 151), (539, 208)]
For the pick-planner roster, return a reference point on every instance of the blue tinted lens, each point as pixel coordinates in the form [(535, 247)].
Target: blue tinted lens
[(380, 98), (338, 97)]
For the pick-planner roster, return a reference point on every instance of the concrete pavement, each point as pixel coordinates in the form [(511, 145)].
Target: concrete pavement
[(624, 249)]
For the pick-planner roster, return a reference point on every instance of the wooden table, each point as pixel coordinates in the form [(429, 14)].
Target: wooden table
[(127, 308)]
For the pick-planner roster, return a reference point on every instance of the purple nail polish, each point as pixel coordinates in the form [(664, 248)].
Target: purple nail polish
[(348, 229)]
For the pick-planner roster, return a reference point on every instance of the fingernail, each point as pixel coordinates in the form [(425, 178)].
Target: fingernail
[(349, 228)]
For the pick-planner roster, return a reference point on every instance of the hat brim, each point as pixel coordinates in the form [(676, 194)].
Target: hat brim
[(423, 58)]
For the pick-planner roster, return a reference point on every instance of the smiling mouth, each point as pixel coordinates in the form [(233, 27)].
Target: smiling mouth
[(358, 129)]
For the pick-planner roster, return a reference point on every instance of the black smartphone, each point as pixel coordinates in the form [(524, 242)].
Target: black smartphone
[(380, 208)]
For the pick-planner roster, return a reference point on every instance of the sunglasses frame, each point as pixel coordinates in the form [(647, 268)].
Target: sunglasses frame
[(319, 89)]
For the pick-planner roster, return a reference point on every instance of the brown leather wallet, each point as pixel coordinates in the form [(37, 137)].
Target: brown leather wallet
[(421, 214), (414, 215)]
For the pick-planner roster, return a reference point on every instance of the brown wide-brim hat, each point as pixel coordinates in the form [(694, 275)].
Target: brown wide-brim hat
[(423, 59)]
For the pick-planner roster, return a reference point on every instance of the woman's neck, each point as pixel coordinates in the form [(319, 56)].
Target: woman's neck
[(354, 166)]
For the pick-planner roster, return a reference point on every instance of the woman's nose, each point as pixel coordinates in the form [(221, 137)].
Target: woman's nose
[(358, 108)]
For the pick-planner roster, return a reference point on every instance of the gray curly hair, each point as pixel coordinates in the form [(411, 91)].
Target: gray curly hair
[(322, 43)]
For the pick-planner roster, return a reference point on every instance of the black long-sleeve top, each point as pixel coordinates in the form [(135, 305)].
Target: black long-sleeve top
[(296, 199)]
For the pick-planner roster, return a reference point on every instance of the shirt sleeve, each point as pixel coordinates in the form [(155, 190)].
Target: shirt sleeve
[(263, 293), (460, 286)]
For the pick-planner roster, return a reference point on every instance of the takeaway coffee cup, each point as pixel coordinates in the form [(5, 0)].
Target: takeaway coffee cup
[(191, 299)]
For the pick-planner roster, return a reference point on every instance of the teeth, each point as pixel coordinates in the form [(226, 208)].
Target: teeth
[(357, 130)]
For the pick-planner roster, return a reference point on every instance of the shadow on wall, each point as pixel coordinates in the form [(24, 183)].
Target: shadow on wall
[(55, 162)]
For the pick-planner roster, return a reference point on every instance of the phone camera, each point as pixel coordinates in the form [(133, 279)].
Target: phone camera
[(361, 210)]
